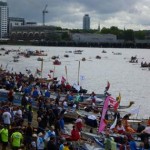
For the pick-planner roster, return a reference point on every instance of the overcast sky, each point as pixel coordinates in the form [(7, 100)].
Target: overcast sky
[(131, 14)]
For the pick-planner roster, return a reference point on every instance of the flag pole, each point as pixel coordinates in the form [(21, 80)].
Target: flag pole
[(78, 72), (66, 73), (138, 112), (41, 67), (54, 72)]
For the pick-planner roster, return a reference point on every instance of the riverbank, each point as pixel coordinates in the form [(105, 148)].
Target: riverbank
[(74, 44)]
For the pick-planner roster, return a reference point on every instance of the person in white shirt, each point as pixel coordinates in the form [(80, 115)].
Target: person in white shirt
[(145, 134), (19, 112), (6, 118), (65, 104)]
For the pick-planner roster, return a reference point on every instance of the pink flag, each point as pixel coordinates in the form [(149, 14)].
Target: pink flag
[(63, 80), (102, 121), (113, 102), (108, 101)]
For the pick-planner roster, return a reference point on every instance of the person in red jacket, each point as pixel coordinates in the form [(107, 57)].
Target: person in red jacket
[(79, 123), (75, 135)]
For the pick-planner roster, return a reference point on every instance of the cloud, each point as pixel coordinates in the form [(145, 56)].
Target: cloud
[(69, 13)]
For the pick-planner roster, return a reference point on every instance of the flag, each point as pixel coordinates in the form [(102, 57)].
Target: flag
[(107, 87), (82, 77), (63, 80), (51, 71), (114, 124), (118, 98), (49, 75), (113, 102), (134, 111), (77, 87), (102, 121), (108, 101)]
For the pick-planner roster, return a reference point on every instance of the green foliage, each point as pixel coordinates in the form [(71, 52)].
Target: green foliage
[(140, 34), (65, 36)]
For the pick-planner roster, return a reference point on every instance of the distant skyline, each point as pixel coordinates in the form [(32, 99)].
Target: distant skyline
[(129, 14)]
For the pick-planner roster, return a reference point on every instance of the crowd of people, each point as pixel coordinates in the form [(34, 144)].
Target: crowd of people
[(37, 122), (126, 136)]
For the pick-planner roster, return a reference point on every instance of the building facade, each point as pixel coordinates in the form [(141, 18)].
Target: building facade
[(3, 19), (36, 33), (86, 22), (15, 21), (94, 38)]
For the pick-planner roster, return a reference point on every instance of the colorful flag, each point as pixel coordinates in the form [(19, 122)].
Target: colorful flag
[(118, 98), (113, 102), (102, 121), (107, 87), (114, 124), (108, 101), (63, 80)]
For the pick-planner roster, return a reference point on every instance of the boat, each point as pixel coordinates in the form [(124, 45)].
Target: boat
[(117, 53), (16, 59), (68, 51), (66, 55), (2, 49), (54, 57), (78, 51), (56, 62), (98, 57), (103, 51), (39, 59), (133, 61), (99, 105), (83, 59), (145, 65), (39, 53)]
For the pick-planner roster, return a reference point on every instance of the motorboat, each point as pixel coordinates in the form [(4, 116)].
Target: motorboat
[(57, 62)]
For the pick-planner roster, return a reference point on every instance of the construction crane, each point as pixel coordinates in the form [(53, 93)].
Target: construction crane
[(44, 12)]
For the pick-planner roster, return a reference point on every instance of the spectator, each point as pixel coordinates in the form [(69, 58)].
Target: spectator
[(4, 137), (16, 139)]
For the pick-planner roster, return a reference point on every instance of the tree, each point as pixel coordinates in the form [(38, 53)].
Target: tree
[(129, 35)]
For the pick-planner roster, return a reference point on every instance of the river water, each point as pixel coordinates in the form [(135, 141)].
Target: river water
[(129, 79)]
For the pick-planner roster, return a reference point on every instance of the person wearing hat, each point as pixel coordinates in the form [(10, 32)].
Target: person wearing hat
[(4, 137), (16, 139)]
